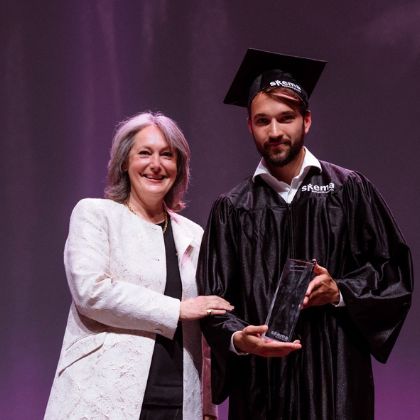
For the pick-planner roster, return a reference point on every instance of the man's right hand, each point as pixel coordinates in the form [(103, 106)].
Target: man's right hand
[(250, 340)]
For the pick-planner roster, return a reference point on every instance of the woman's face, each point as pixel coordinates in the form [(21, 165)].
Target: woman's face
[(152, 164)]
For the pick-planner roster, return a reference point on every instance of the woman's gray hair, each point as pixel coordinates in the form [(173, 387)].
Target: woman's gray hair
[(118, 182)]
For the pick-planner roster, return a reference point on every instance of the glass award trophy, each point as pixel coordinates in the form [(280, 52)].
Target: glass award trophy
[(285, 306)]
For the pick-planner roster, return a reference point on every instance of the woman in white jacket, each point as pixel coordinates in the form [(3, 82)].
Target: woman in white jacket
[(132, 347)]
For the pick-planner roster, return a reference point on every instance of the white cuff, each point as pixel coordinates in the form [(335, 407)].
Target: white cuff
[(341, 302), (232, 346)]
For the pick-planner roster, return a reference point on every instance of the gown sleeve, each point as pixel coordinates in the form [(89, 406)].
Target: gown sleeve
[(377, 293), (217, 274)]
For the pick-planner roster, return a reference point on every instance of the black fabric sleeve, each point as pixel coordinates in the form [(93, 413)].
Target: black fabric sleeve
[(217, 274), (377, 293)]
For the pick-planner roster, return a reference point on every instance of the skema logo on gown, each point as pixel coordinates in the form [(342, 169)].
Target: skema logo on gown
[(320, 189)]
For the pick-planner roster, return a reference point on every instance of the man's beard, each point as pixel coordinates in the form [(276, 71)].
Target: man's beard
[(280, 159)]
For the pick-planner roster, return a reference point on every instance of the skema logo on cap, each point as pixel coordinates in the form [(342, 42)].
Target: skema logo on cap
[(286, 84)]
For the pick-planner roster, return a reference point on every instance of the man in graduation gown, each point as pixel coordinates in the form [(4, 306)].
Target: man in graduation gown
[(299, 207)]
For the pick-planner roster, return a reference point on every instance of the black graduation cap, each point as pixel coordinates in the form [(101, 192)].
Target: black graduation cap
[(260, 70)]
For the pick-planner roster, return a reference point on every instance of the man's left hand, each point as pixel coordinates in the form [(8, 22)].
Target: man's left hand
[(321, 290)]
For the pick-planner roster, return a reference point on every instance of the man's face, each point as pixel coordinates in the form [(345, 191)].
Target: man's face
[(278, 128)]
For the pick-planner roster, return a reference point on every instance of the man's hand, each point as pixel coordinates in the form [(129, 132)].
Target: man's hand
[(250, 340), (321, 290)]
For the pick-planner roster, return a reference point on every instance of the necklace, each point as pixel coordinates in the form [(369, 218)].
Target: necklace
[(165, 215)]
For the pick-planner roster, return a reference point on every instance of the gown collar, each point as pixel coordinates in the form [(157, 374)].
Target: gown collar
[(282, 187)]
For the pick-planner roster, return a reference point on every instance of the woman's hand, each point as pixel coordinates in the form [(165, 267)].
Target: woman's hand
[(201, 306)]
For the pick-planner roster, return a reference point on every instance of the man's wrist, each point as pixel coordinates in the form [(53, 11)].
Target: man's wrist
[(233, 348), (340, 302)]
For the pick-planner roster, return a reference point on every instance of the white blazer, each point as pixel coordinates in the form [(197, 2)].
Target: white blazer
[(116, 270)]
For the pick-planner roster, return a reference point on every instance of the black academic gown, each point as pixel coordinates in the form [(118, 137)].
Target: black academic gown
[(339, 218)]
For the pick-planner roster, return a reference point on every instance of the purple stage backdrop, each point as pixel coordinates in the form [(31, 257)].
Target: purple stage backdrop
[(71, 69)]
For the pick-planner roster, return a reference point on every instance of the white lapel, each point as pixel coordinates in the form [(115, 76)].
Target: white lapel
[(183, 237)]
